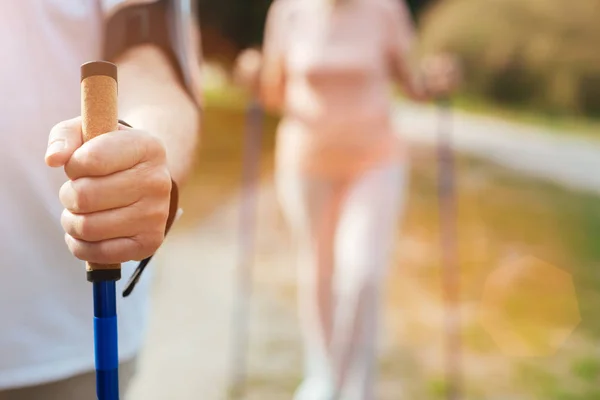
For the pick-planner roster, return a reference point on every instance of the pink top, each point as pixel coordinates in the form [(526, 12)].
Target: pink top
[(338, 62)]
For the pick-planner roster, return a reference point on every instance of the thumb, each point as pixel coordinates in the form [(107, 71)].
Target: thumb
[(65, 137)]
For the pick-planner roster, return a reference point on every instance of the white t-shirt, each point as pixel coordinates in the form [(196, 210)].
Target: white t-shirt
[(46, 325)]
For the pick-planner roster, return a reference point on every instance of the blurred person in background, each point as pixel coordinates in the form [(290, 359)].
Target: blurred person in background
[(116, 202), (341, 170)]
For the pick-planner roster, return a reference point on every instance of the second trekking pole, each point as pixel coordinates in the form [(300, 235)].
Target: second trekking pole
[(248, 211), (449, 252)]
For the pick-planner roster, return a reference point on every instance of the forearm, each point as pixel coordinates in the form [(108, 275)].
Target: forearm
[(151, 99), (272, 82), (272, 99)]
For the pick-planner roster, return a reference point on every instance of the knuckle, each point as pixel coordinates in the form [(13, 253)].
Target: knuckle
[(87, 160), (80, 195), (76, 248), (155, 149), (155, 219), (160, 181), (72, 168), (65, 194), (65, 221), (158, 215), (81, 227), (156, 181), (84, 227), (93, 159), (75, 225), (78, 252)]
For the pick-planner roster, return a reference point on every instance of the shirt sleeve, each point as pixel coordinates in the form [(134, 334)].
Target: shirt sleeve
[(177, 31)]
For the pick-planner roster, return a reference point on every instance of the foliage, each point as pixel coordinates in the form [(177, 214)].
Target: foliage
[(536, 53), (241, 22)]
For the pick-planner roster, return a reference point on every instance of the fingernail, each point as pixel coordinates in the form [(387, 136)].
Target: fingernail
[(56, 147)]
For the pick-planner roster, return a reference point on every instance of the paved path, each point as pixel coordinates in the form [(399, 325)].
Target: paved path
[(188, 353), (189, 346), (562, 158)]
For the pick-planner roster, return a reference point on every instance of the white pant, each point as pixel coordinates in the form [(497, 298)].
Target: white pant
[(344, 232)]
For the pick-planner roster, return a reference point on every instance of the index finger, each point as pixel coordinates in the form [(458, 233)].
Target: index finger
[(109, 153)]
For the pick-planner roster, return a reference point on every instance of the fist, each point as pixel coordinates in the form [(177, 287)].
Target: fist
[(442, 74), (116, 201), (246, 72)]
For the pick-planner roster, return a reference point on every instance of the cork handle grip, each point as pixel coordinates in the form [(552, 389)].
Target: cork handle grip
[(99, 115)]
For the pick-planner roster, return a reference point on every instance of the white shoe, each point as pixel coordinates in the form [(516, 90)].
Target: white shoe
[(314, 390)]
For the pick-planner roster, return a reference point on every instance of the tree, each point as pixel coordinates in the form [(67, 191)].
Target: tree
[(241, 22)]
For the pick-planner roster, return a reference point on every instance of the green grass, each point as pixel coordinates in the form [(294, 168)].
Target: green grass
[(518, 217), (230, 97), (587, 369), (437, 389)]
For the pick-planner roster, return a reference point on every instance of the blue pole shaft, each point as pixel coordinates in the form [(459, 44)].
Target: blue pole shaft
[(106, 340)]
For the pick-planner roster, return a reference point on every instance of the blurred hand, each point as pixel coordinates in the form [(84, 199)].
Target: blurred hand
[(442, 74), (247, 68), (117, 197)]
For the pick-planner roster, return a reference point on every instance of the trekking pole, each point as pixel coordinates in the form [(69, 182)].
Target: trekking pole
[(99, 116), (248, 210), (449, 251)]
